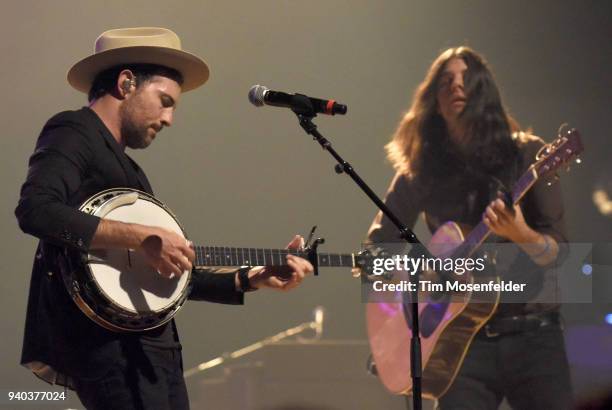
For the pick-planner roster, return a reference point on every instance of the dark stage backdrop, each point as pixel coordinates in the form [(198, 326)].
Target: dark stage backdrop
[(241, 176)]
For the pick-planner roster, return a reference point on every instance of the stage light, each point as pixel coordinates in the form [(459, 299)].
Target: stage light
[(609, 318)]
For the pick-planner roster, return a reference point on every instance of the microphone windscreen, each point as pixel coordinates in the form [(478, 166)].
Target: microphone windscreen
[(256, 95)]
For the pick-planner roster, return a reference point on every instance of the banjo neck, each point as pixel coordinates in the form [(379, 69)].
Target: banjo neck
[(228, 256)]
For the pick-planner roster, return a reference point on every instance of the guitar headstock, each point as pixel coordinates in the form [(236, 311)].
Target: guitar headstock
[(558, 153)]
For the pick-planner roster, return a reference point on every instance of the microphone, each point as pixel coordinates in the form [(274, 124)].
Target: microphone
[(260, 95)]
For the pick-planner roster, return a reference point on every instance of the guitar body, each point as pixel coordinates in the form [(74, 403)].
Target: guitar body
[(447, 329)]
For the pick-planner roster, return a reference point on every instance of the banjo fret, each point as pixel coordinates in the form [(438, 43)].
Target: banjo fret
[(230, 256)]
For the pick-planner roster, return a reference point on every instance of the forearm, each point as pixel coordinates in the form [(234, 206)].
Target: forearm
[(541, 248), (116, 234), (217, 285)]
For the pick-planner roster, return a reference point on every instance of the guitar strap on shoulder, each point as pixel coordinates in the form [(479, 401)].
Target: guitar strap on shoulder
[(494, 184)]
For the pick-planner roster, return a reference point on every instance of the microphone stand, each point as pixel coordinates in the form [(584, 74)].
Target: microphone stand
[(304, 110), (316, 324)]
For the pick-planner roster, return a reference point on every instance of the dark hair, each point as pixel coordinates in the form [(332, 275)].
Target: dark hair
[(106, 80), (421, 146)]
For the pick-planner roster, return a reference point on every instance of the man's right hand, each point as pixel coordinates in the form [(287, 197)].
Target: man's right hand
[(166, 251)]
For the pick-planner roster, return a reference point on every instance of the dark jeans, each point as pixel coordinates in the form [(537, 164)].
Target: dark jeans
[(529, 369), (151, 380)]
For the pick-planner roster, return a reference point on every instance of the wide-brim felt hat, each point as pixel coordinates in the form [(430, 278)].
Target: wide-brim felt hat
[(139, 45)]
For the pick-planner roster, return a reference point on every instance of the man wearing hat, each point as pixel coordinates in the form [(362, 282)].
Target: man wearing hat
[(134, 80)]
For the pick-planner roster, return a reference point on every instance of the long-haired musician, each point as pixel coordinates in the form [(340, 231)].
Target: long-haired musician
[(454, 152)]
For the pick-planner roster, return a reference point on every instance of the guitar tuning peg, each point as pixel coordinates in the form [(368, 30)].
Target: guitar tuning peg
[(567, 169)]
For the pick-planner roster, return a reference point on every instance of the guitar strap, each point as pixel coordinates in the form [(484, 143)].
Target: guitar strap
[(494, 184)]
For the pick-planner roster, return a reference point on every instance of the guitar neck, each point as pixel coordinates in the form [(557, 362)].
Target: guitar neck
[(228, 256)]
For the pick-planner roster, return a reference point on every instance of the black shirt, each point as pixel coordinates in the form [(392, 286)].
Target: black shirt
[(464, 201)]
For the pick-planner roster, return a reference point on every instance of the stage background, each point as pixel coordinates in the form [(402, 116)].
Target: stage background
[(237, 175)]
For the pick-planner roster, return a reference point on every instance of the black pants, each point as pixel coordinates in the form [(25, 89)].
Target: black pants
[(529, 369), (151, 380)]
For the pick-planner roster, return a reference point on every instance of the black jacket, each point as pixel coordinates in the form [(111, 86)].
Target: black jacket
[(75, 157)]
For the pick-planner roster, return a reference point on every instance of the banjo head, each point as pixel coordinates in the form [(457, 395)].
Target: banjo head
[(119, 289)]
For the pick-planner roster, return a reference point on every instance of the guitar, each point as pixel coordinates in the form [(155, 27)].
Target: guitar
[(119, 291), (450, 333)]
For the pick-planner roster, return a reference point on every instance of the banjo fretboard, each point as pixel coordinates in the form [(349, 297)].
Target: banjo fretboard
[(227, 256)]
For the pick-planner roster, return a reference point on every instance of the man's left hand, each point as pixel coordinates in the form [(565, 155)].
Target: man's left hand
[(282, 278)]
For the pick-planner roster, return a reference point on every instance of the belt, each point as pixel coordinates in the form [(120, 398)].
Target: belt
[(500, 326)]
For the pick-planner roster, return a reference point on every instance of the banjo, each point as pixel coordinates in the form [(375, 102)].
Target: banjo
[(119, 291)]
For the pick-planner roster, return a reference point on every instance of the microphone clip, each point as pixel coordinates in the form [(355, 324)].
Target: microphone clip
[(302, 106)]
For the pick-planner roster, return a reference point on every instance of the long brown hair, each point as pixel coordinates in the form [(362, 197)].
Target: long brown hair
[(421, 140)]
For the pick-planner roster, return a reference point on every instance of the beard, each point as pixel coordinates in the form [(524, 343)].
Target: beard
[(134, 134)]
